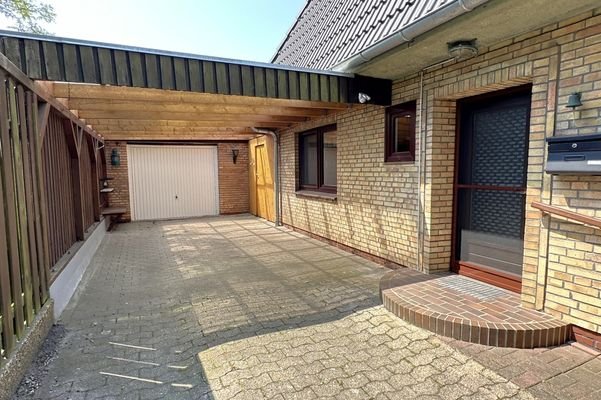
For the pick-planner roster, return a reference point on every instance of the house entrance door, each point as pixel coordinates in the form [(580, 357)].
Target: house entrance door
[(490, 187)]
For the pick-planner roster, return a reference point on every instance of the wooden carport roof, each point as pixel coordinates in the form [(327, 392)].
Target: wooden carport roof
[(129, 93)]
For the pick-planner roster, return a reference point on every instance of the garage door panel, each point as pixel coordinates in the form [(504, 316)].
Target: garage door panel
[(173, 181)]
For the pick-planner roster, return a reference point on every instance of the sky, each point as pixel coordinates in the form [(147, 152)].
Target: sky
[(240, 29)]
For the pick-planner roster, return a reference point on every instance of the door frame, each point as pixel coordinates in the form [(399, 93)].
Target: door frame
[(479, 272)]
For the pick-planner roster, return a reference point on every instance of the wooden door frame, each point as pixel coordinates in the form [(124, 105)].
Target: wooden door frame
[(256, 156), (482, 273)]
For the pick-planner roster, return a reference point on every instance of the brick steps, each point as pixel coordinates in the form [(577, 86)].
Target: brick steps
[(465, 309)]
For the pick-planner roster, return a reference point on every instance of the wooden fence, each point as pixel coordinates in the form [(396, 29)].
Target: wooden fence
[(59, 189), (49, 163)]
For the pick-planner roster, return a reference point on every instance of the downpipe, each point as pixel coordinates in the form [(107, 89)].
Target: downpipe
[(276, 166)]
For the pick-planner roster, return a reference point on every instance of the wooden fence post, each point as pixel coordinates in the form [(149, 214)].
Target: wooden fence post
[(6, 327), (28, 224), (40, 117), (19, 177), (10, 208), (74, 137), (95, 180)]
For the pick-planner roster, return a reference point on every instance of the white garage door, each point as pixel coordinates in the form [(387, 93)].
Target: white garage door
[(168, 182)]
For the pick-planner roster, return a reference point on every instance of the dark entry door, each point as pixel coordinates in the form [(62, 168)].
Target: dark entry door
[(490, 189)]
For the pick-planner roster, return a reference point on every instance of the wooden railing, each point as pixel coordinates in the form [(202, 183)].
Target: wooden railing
[(567, 214), (31, 126)]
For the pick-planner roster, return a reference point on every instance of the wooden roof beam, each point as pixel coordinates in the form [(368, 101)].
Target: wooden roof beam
[(96, 117), (158, 124), (121, 105), (209, 121), (105, 92), (116, 136)]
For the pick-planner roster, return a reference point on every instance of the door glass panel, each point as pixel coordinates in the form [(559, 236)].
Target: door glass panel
[(403, 132), (491, 229), (499, 146), (329, 158), (308, 145)]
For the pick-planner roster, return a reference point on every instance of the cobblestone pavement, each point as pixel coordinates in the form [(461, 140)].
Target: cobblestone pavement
[(564, 372), (231, 307)]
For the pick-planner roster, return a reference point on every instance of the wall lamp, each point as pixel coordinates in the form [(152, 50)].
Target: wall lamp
[(235, 153), (115, 158), (363, 98), (574, 101)]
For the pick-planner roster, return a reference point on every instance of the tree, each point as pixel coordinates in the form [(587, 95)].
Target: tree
[(28, 15)]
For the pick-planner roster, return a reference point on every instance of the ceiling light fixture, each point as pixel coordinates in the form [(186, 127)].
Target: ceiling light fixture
[(463, 49)]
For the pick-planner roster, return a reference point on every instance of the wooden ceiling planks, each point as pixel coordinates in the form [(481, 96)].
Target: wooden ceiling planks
[(123, 112)]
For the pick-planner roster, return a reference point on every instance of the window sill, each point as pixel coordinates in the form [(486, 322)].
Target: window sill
[(412, 162), (399, 162), (311, 194)]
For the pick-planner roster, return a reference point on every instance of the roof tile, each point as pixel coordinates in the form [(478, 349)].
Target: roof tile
[(329, 31)]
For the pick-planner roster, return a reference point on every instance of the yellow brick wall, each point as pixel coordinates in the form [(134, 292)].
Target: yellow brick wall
[(376, 208)]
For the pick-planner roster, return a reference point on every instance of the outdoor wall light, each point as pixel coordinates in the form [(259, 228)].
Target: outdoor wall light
[(235, 153), (462, 49), (575, 100), (364, 98), (115, 158)]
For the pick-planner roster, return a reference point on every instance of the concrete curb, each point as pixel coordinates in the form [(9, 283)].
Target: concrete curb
[(27, 349)]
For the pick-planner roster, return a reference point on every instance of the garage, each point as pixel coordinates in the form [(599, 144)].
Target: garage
[(174, 181)]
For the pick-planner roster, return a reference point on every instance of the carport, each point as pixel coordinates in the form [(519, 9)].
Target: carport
[(138, 99)]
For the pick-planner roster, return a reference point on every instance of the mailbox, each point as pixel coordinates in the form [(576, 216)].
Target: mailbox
[(574, 155)]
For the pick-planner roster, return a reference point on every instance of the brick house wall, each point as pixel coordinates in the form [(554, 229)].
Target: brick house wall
[(120, 182), (376, 206), (233, 178)]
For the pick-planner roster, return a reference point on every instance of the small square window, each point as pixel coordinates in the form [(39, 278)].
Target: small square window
[(400, 133)]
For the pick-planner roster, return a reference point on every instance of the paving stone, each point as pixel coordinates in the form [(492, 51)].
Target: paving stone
[(233, 308)]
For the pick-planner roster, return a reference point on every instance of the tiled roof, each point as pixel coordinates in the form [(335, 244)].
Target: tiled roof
[(328, 32)]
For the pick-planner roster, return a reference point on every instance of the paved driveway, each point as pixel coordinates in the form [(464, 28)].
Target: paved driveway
[(231, 307)]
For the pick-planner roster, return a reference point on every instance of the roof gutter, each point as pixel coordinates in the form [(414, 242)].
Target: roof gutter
[(410, 32)]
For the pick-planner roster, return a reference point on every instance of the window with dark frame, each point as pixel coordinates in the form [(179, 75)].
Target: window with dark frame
[(400, 133), (318, 159)]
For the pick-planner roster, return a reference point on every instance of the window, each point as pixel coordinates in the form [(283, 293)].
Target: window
[(317, 154), (400, 133)]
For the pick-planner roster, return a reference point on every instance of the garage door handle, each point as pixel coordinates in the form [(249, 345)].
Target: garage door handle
[(175, 197)]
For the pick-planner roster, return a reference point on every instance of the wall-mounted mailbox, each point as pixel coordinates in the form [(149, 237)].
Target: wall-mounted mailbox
[(574, 155)]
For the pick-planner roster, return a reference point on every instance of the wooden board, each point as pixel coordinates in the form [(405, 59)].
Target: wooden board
[(262, 177)]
